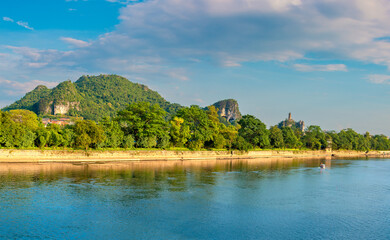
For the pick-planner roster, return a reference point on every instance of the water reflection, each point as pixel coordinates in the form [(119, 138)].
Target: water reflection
[(146, 179), (232, 199), (174, 173)]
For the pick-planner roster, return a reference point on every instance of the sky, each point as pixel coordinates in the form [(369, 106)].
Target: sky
[(325, 61)]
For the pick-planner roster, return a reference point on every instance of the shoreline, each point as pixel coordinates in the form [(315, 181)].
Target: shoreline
[(40, 156)]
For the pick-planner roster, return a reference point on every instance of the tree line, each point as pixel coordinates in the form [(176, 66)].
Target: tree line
[(142, 125)]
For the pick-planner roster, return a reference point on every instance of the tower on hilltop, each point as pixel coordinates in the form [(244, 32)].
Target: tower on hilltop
[(289, 122)]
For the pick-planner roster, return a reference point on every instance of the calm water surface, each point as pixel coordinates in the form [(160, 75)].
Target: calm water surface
[(246, 199)]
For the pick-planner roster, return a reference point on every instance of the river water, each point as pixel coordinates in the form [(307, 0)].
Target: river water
[(241, 199)]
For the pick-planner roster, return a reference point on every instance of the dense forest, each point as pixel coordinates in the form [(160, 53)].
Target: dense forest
[(145, 125), (91, 97)]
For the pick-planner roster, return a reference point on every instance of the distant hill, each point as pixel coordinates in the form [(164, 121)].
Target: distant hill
[(228, 110), (289, 122), (30, 100), (91, 97)]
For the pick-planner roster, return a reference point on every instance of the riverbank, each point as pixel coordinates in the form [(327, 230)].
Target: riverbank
[(17, 155)]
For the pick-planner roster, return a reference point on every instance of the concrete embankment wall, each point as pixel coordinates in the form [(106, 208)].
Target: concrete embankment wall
[(16, 155)]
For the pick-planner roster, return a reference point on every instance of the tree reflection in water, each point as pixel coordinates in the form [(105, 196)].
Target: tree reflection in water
[(145, 179)]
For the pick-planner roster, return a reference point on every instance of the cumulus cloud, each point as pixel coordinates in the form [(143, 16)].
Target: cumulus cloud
[(75, 42), (379, 79), (16, 87), (32, 57), (231, 32), (155, 34), (323, 68), (259, 30)]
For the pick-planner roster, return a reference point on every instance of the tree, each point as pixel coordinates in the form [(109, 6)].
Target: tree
[(201, 128), (15, 131), (164, 142), (42, 137), (314, 138), (344, 141), (88, 134), (290, 139), (254, 131), (230, 134), (367, 137), (381, 142), (217, 140), (276, 137), (55, 138), (26, 118), (334, 138), (68, 137), (241, 144), (146, 142), (145, 122), (112, 132), (128, 141), (1, 120), (28, 139), (179, 132), (83, 140)]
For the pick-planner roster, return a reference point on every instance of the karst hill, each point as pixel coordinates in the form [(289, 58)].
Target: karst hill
[(94, 97), (91, 97)]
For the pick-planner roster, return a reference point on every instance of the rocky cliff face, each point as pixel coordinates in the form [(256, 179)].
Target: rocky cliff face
[(53, 108), (228, 109), (61, 99), (65, 107)]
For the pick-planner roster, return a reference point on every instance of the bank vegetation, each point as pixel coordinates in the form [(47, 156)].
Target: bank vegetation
[(145, 126)]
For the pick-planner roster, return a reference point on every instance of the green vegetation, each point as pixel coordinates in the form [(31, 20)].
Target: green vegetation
[(105, 95), (144, 125), (30, 100), (121, 114), (254, 131), (91, 97)]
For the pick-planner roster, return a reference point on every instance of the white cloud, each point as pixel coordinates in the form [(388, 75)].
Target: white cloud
[(75, 42), (178, 75), (31, 57), (20, 23), (7, 19), (24, 24), (122, 1), (16, 87), (248, 30), (323, 68), (231, 63), (36, 64), (155, 35), (379, 78)]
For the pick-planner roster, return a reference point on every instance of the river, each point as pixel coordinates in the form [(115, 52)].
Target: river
[(239, 199)]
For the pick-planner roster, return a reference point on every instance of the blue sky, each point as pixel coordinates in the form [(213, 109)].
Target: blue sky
[(325, 61)]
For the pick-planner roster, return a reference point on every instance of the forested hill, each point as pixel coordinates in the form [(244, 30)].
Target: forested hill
[(91, 97)]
